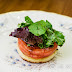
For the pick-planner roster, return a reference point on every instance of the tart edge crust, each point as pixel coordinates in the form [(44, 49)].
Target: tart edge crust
[(32, 60)]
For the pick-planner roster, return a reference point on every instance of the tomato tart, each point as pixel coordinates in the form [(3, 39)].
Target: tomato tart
[(37, 41)]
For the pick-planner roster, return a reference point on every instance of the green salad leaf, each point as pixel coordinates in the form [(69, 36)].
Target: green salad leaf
[(49, 24), (59, 38), (59, 34), (28, 44), (50, 38), (44, 29), (28, 20), (38, 28), (21, 25)]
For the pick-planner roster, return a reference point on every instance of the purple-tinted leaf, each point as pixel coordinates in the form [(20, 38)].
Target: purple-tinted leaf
[(38, 39), (20, 33), (25, 35)]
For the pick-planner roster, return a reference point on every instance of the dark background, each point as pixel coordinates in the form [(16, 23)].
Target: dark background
[(58, 6)]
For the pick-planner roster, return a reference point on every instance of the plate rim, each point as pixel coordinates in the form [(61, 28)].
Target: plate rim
[(34, 11)]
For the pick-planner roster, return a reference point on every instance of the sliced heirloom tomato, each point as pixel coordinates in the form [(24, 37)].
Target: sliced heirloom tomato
[(35, 52)]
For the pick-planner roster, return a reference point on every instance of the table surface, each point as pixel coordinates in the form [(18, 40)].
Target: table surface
[(63, 7)]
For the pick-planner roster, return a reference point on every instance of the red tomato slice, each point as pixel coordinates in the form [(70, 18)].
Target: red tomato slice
[(35, 52)]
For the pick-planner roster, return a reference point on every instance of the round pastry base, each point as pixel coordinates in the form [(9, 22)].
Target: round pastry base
[(42, 60)]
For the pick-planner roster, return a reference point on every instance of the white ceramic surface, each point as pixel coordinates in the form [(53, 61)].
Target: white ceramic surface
[(10, 61)]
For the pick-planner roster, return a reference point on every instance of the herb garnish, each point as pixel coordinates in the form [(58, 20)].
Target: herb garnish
[(44, 29)]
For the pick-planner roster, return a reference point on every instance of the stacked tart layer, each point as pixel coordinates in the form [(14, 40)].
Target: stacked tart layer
[(37, 41)]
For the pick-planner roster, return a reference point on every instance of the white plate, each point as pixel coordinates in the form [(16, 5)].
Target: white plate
[(61, 62)]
